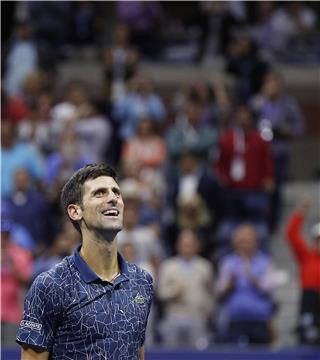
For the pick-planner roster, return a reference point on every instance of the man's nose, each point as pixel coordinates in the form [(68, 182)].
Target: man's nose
[(112, 198)]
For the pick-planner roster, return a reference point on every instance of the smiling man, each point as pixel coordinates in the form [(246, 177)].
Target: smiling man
[(93, 305)]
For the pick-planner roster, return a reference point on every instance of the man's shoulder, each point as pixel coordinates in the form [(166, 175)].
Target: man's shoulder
[(138, 274), (56, 277)]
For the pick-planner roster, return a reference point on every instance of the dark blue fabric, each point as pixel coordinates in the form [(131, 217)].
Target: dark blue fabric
[(70, 312)]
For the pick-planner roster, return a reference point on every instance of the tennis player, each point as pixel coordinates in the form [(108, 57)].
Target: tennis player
[(93, 305)]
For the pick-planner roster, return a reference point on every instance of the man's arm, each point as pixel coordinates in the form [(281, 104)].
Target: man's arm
[(294, 233), (141, 353), (31, 353)]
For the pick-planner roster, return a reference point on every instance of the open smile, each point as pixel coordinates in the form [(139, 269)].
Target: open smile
[(112, 212)]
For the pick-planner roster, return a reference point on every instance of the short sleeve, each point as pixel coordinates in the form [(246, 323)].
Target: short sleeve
[(41, 313)]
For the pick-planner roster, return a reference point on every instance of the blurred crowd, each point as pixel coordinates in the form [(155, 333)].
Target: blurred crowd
[(201, 171)]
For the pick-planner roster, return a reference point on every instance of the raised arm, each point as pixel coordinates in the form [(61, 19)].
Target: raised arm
[(294, 232)]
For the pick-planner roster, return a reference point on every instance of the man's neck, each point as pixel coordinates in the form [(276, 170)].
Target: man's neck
[(101, 256)]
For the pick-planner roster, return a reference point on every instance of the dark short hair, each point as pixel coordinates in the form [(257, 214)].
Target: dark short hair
[(72, 190)]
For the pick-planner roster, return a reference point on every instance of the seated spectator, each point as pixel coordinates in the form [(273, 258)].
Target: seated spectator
[(139, 102), (185, 288), (16, 155), (188, 134), (244, 287), (280, 120), (16, 265), (119, 61), (308, 259), (29, 208), (147, 148)]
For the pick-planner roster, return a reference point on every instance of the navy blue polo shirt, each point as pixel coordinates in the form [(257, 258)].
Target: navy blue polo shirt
[(72, 313)]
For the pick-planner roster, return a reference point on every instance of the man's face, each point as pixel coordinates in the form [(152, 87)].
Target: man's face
[(102, 205)]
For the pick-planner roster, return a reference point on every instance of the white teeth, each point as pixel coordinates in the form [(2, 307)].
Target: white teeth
[(111, 212)]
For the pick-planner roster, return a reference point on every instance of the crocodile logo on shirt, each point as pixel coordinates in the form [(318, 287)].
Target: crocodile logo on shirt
[(139, 299)]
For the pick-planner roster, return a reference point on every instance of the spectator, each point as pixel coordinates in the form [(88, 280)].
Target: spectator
[(12, 107), (63, 162), (244, 169), (75, 94), (147, 148), (63, 245), (140, 101), (143, 19), (212, 96), (290, 21), (308, 258), (143, 238), (35, 127), (185, 288), (244, 62), (245, 159), (120, 62), (29, 208), (187, 134), (16, 155), (244, 287), (22, 59), (129, 251), (279, 120), (93, 130), (16, 265)]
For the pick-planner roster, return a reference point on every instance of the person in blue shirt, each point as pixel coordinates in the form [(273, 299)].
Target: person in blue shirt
[(245, 288), (93, 305)]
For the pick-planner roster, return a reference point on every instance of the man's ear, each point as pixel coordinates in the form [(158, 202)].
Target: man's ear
[(74, 212)]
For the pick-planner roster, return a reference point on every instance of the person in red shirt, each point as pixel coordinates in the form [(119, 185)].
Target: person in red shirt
[(245, 159), (244, 166), (16, 267), (308, 258)]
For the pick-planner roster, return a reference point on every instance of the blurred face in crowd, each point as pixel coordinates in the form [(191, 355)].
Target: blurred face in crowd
[(130, 216), (22, 180), (189, 163), (121, 35), (7, 133), (145, 127), (244, 118), (240, 46), (187, 244), (128, 251), (193, 112), (76, 94), (245, 240), (273, 86), (264, 9)]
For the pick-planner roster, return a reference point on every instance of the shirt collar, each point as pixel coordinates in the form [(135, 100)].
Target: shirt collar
[(87, 274)]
